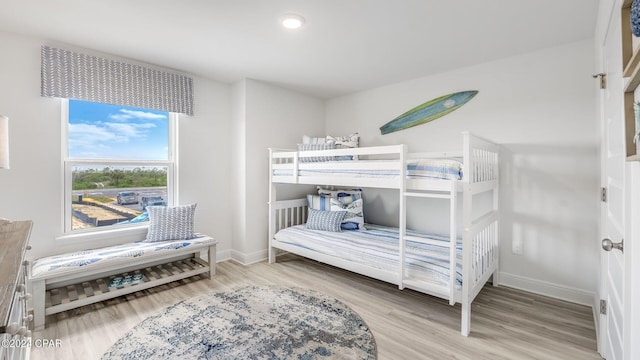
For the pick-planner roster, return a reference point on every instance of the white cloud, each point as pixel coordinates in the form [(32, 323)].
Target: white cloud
[(129, 130), (99, 137), (126, 114), (86, 135)]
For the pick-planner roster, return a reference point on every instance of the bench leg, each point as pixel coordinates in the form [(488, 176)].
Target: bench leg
[(38, 300), (212, 261)]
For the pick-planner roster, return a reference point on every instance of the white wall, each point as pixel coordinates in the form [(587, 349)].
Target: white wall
[(540, 107), (32, 188), (269, 116), (239, 168), (204, 162)]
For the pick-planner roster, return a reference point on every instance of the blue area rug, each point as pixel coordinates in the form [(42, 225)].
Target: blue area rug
[(250, 323)]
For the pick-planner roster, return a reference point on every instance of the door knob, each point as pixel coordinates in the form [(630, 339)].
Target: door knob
[(607, 245)]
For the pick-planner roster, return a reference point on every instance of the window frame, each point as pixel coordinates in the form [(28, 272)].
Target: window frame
[(68, 164)]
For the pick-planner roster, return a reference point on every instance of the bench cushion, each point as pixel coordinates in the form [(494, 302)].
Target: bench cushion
[(59, 265)]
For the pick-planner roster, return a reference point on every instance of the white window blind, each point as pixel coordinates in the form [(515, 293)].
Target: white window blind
[(73, 75)]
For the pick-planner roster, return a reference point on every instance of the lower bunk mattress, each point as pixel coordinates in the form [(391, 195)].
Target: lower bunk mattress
[(426, 258)]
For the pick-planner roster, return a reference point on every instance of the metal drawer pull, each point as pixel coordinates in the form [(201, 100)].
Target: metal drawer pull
[(607, 245)]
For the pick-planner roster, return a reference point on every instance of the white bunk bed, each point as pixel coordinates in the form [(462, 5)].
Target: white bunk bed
[(480, 242)]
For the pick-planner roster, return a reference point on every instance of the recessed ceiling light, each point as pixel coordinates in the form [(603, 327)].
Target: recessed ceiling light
[(292, 21)]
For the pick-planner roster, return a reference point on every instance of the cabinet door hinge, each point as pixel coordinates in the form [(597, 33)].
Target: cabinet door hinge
[(603, 194), (603, 307)]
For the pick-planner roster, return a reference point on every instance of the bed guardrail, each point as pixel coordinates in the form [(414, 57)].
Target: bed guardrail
[(480, 159), (284, 214)]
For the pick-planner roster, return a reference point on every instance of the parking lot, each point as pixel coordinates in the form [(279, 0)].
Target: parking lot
[(101, 205), (113, 193)]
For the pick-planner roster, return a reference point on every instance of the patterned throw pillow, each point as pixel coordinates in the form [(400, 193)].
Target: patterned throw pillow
[(344, 196), (345, 142), (435, 168), (319, 202), (354, 218), (311, 147), (325, 220), (313, 140), (171, 222)]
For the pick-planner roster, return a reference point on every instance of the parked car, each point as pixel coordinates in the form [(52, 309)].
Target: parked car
[(151, 200), (127, 197)]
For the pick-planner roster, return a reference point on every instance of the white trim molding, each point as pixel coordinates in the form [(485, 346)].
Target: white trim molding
[(546, 288), (223, 255), (251, 258)]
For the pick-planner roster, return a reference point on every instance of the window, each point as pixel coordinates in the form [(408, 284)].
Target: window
[(118, 161)]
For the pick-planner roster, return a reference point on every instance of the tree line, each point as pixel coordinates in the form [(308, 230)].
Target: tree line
[(118, 178)]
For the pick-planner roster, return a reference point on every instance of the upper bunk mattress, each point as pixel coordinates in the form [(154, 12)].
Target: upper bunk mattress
[(377, 247), (449, 169)]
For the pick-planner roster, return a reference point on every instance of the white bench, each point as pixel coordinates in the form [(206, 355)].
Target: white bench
[(67, 281)]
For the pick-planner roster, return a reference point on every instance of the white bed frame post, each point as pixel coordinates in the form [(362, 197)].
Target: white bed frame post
[(272, 210), (453, 241), (495, 277), (402, 213), (467, 240)]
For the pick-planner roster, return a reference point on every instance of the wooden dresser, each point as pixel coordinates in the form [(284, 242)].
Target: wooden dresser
[(15, 320)]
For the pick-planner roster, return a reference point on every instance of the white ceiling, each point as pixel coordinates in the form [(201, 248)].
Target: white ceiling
[(345, 45)]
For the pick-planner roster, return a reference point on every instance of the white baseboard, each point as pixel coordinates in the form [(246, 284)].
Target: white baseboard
[(546, 288), (223, 255), (248, 259)]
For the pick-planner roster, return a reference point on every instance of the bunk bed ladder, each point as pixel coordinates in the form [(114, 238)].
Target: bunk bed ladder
[(402, 213), (453, 242)]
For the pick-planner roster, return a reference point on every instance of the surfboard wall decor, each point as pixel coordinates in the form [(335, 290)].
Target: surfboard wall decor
[(428, 111)]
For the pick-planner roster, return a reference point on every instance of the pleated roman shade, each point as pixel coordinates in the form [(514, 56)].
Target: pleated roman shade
[(73, 75)]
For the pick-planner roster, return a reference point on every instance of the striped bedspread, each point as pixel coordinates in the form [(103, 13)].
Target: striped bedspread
[(377, 247), (419, 168)]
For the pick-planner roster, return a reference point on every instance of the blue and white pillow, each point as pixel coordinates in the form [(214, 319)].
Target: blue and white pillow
[(171, 222), (344, 196), (354, 218), (435, 168), (319, 202), (313, 140), (325, 220), (345, 142), (311, 147)]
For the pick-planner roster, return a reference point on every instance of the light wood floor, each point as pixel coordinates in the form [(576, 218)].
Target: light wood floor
[(505, 323)]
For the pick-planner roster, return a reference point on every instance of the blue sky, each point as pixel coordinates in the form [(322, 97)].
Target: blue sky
[(102, 131)]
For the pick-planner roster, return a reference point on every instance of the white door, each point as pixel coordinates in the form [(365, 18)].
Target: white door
[(612, 210)]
